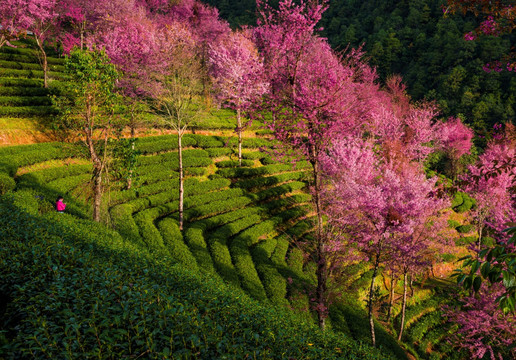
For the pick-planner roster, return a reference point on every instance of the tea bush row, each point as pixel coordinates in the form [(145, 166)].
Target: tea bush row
[(122, 196), (274, 283), (6, 64), (218, 152), (462, 202), (145, 218), (26, 56), (122, 215), (269, 181), (26, 111), (7, 183), (173, 242), (103, 298), (158, 144), (425, 323), (215, 207), (25, 101), (192, 186), (69, 184), (191, 157), (29, 74), (217, 243), (278, 190), (194, 234), (255, 155), (413, 313), (46, 175), (233, 163), (23, 91), (21, 82), (279, 255), (243, 172)]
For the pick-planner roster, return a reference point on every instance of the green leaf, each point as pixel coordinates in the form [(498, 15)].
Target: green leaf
[(509, 280), (474, 267), (484, 270), (476, 283)]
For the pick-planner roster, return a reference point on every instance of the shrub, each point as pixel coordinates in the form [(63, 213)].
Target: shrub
[(295, 261), (256, 155), (463, 229), (466, 240), (194, 234), (278, 190), (488, 241), (145, 222), (457, 199), (38, 74), (7, 183), (453, 224), (46, 175), (462, 202), (27, 57)]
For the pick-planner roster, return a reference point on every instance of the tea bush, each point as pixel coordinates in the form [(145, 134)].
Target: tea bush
[(104, 298), (7, 183), (25, 101)]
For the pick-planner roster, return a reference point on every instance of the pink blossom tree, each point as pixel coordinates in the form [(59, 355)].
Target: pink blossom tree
[(238, 76), (383, 203), (415, 251), (456, 140), (484, 330), (44, 19), (492, 187), (312, 96), (177, 99), (14, 20)]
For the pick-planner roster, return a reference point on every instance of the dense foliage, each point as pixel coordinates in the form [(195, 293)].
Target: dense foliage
[(415, 40), (74, 289)]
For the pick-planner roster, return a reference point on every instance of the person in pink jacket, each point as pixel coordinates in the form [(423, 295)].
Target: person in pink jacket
[(60, 205)]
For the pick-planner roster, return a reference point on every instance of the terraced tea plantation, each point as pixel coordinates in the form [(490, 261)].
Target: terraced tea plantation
[(243, 225), (24, 102)]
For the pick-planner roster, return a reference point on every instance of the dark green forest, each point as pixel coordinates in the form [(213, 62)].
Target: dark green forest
[(414, 39)]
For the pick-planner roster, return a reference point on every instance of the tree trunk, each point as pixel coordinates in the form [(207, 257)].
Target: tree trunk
[(130, 175), (181, 189), (391, 299), (44, 62), (321, 259), (370, 303), (403, 306), (97, 191), (479, 243), (239, 130)]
